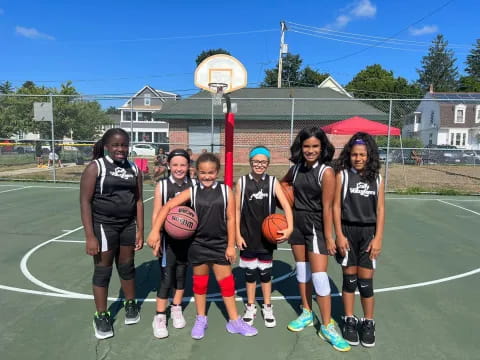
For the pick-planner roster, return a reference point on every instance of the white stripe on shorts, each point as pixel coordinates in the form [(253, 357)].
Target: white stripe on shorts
[(316, 250), (104, 239), (345, 259)]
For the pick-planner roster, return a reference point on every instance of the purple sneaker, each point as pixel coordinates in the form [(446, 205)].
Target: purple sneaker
[(198, 330), (241, 327)]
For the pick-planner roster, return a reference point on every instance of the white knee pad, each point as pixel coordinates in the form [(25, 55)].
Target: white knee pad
[(321, 283), (304, 274)]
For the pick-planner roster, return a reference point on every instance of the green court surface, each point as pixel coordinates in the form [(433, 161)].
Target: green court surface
[(426, 288)]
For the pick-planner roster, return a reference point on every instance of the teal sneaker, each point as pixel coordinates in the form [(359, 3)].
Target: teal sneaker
[(305, 319), (333, 336)]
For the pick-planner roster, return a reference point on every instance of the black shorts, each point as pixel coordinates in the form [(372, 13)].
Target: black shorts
[(111, 236), (199, 254), (359, 237), (174, 251), (255, 260), (308, 231)]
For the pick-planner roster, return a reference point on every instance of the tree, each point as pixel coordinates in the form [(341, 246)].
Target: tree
[(6, 87), (292, 75), (206, 53), (438, 67), (473, 62), (468, 84)]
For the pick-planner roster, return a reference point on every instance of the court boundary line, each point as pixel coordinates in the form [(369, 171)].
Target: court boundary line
[(460, 207)]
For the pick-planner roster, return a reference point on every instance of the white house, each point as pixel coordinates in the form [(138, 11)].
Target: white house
[(446, 119), (331, 83), (137, 114)]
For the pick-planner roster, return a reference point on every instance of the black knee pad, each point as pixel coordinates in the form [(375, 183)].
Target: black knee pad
[(180, 272), (250, 276), (349, 283), (265, 275), (365, 287), (126, 271), (166, 281), (101, 276)]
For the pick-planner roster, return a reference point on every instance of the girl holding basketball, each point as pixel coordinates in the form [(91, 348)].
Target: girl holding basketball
[(213, 245), (312, 240), (173, 253), (255, 199), (359, 217), (112, 215)]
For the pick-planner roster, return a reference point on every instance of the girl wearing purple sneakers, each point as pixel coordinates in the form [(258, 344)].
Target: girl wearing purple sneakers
[(213, 244)]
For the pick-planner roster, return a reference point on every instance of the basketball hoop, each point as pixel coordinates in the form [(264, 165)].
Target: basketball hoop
[(217, 92)]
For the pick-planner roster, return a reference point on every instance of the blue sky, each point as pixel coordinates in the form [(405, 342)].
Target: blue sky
[(116, 47)]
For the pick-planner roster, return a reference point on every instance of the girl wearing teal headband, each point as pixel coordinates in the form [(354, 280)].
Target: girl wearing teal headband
[(256, 195)]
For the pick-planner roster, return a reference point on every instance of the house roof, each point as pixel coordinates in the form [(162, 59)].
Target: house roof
[(331, 83), (275, 104), (156, 93), (454, 97)]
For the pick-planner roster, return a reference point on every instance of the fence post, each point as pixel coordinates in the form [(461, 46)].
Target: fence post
[(53, 153), (388, 143), (291, 121)]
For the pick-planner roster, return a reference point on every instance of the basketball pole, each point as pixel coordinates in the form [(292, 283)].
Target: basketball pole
[(229, 127)]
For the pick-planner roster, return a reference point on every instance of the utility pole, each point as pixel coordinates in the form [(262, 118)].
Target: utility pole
[(283, 50)]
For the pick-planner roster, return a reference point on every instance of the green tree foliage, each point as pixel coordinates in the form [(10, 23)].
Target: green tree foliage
[(206, 53), (72, 116), (292, 74), (6, 87), (473, 62), (468, 84), (438, 67)]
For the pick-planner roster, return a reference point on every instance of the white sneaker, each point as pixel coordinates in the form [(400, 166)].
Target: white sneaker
[(177, 317), (249, 314), (159, 326), (267, 312)]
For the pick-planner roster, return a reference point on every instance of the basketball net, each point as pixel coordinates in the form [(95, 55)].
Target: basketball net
[(217, 93)]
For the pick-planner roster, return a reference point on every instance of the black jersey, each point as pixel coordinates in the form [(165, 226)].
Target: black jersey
[(114, 199), (257, 201), (359, 198), (169, 187), (210, 204), (307, 187)]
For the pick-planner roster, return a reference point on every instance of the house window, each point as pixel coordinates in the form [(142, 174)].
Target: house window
[(144, 116), (460, 114), (147, 99), (458, 138), (432, 119), (417, 117), (477, 114), (160, 138), (430, 139), (144, 136), (127, 116)]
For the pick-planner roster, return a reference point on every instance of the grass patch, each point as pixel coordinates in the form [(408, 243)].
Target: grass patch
[(416, 190)]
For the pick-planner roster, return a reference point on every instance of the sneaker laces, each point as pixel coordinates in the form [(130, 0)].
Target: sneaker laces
[(268, 312), (160, 320), (176, 312), (333, 332)]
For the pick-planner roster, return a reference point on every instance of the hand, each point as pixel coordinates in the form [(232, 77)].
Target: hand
[(374, 248), (91, 245), (331, 247), (153, 239), (284, 235), (139, 241), (230, 254), (157, 249), (241, 244), (342, 244)]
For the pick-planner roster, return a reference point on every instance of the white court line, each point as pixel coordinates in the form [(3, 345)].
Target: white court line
[(22, 188), (460, 207), (69, 241), (284, 249), (431, 199)]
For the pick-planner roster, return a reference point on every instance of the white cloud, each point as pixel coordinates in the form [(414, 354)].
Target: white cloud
[(32, 33), (354, 10), (427, 29)]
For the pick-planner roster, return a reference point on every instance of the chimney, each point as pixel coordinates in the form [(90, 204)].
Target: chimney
[(431, 89)]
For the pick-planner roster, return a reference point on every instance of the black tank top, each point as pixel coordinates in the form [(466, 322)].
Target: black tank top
[(114, 199), (359, 198), (307, 187), (257, 202), (210, 204), (169, 188)]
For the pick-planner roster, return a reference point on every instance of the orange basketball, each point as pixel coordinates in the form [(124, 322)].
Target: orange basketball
[(271, 224), (288, 191)]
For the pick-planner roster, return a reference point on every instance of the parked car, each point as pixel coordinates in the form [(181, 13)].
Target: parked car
[(382, 154), (143, 150)]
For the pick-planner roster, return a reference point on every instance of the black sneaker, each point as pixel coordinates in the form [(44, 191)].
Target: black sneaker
[(102, 325), (349, 329), (132, 312), (367, 333)]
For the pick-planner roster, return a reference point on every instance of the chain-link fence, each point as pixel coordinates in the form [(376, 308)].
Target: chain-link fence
[(438, 151)]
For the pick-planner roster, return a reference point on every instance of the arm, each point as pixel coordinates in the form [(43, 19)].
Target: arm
[(157, 201), (153, 239), (230, 253), (87, 188), (341, 240), (328, 193), (375, 246), (285, 234), (241, 244), (140, 213)]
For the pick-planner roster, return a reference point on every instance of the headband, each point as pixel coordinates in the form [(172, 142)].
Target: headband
[(178, 152), (359, 142), (260, 151)]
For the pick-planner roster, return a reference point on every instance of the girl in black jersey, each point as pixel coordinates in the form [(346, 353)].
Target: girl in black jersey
[(173, 255), (112, 215), (312, 238), (255, 195), (213, 244), (359, 216)]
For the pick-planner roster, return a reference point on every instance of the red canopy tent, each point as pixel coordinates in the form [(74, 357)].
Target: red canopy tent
[(356, 124)]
